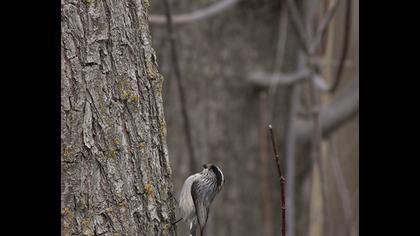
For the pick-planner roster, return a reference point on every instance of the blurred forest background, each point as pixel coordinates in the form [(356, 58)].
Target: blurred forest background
[(240, 65)]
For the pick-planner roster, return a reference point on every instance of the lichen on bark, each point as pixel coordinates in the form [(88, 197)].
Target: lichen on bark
[(115, 170)]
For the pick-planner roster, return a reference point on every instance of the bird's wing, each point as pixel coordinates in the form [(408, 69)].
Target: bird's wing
[(201, 198)]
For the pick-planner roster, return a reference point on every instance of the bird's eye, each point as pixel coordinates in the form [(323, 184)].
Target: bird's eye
[(205, 166)]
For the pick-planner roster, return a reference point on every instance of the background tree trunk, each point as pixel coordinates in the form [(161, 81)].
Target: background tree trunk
[(116, 176)]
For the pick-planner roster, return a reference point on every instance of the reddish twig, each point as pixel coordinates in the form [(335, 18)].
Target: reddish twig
[(180, 83), (282, 181)]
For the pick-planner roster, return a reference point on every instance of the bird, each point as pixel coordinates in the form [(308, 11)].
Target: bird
[(197, 193)]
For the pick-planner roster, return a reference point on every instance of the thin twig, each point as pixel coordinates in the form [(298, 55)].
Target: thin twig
[(344, 50), (180, 84), (282, 181), (174, 223), (201, 14)]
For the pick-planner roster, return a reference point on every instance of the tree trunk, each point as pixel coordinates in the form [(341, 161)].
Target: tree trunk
[(115, 172)]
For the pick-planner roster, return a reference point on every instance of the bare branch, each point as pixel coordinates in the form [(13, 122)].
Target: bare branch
[(263, 79), (282, 39), (180, 83), (311, 47), (298, 26), (346, 41), (342, 109), (322, 29), (341, 187), (290, 158), (201, 14), (316, 152)]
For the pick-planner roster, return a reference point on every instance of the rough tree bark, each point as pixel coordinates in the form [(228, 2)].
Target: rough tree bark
[(115, 172)]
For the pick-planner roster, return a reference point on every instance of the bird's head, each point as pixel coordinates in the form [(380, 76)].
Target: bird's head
[(217, 172)]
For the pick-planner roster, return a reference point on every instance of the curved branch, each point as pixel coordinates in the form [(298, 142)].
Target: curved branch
[(201, 14), (342, 109)]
